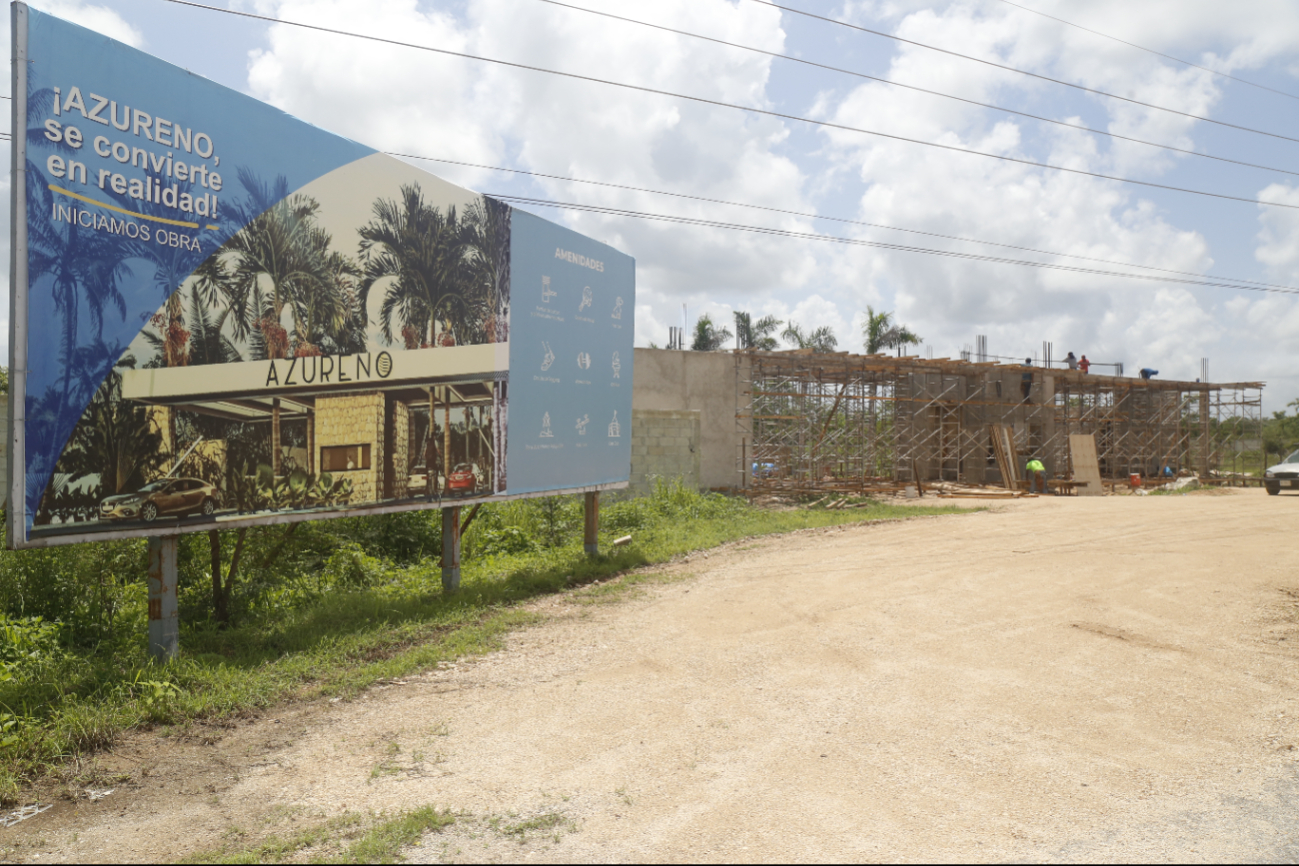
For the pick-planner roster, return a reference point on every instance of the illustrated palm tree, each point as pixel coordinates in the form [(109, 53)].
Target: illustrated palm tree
[(821, 339), (280, 262), (113, 440), (488, 225), (708, 337), (83, 266), (421, 253), (756, 335)]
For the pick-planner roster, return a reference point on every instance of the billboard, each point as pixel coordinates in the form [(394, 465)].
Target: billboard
[(222, 315)]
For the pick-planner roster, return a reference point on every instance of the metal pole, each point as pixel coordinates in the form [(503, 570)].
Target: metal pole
[(164, 619), (591, 533), (451, 549), (17, 456)]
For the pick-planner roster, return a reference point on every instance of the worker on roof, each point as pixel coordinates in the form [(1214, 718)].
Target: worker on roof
[(1071, 361), (1147, 373), (1084, 364), (1036, 473), (1026, 381)]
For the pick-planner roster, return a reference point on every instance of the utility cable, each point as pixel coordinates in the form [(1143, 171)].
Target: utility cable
[(705, 223), (715, 102), (1152, 51), (856, 74), (832, 219), (996, 65)]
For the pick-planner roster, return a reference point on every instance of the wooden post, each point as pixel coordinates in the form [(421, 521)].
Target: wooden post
[(446, 442), (311, 442), (164, 617), (450, 549), (276, 457), (430, 447), (591, 532)]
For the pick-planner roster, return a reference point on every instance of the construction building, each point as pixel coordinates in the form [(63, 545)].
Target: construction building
[(799, 420)]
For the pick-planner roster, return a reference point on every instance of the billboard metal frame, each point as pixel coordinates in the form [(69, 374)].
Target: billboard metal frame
[(15, 459)]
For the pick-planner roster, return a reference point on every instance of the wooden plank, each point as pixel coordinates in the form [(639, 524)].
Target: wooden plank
[(1003, 447), (1086, 468)]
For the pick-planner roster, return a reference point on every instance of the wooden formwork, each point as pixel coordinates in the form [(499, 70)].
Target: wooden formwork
[(864, 423)]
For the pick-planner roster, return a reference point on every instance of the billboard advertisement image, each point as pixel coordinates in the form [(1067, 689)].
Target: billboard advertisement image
[(222, 315)]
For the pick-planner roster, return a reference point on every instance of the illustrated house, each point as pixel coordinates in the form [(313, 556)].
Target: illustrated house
[(366, 415)]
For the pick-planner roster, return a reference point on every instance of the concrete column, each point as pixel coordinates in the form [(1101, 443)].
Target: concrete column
[(450, 549), (591, 530), (1206, 434), (164, 618)]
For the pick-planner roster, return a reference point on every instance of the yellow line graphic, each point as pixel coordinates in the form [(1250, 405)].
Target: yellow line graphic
[(78, 197), (215, 228)]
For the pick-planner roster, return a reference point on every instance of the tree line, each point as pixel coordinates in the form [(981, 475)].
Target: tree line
[(879, 333)]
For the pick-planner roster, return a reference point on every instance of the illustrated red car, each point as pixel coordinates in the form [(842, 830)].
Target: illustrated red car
[(462, 478)]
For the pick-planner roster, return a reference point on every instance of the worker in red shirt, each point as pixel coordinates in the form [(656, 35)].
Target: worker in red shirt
[(1084, 364)]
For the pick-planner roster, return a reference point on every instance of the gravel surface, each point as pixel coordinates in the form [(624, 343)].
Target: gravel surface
[(1058, 679)]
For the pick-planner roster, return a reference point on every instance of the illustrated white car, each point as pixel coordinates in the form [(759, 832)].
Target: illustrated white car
[(1283, 474)]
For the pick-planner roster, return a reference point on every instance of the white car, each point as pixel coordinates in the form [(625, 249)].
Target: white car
[(1283, 474)]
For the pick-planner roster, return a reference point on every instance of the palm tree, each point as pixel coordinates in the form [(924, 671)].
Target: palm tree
[(881, 333), (820, 340), (424, 252), (756, 335), (708, 337)]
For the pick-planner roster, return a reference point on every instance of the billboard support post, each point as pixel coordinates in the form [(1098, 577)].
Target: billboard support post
[(591, 533), (451, 549), (164, 616)]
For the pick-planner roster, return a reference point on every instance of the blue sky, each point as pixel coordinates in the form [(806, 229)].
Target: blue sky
[(413, 102)]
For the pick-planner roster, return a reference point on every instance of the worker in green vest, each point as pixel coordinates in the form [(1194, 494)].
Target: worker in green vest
[(1036, 475)]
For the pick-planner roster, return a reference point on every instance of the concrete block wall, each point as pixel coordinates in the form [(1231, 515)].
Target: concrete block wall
[(702, 382), (664, 444)]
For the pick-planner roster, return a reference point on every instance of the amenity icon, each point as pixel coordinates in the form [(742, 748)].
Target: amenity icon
[(581, 424), (617, 308), (548, 359), (617, 365), (586, 299), (615, 429), (583, 361), (546, 291), (546, 432)]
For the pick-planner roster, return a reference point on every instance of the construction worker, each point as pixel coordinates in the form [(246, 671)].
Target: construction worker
[(1084, 364), (1036, 473)]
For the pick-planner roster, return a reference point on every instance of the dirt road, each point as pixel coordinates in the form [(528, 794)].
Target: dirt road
[(1060, 679)]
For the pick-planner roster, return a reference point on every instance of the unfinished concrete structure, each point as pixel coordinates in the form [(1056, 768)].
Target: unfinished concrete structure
[(860, 422)]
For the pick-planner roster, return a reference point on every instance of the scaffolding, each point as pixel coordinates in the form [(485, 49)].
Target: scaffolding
[(869, 423)]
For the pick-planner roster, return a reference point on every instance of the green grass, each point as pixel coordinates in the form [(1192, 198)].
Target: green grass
[(350, 838), (71, 703)]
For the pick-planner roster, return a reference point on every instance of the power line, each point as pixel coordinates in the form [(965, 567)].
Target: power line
[(766, 112), (856, 74), (694, 221), (834, 219), (1152, 51), (1019, 71)]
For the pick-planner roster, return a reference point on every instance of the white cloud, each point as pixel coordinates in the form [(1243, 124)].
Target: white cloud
[(101, 19)]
